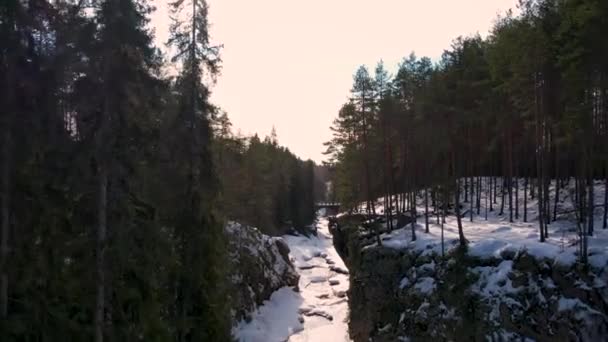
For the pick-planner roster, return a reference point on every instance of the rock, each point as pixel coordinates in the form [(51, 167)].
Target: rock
[(283, 248), (323, 296), (260, 265), (518, 279), (319, 313), (340, 294), (338, 269), (323, 255), (339, 301), (507, 254), (334, 282), (307, 267), (526, 263), (317, 279), (330, 262), (305, 310)]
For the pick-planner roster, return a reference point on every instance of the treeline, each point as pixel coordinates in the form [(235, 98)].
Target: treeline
[(530, 101), (264, 184), (111, 207)]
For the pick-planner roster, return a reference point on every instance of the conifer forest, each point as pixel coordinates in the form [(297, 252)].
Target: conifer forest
[(461, 197)]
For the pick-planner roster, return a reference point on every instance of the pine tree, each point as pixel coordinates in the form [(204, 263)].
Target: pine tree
[(200, 309)]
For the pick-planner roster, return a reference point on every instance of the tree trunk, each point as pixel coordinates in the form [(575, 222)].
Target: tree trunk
[(606, 196), (526, 199), (590, 205), (490, 192), (510, 170), (457, 211), (471, 204), (457, 202), (532, 188), (5, 198), (556, 185), (516, 194), (478, 194), (486, 198), (495, 189), (100, 253), (539, 159), (445, 212), (413, 211), (466, 189), (426, 209), (510, 199), (502, 194)]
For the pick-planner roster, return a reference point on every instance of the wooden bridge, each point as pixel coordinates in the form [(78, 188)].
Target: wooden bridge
[(331, 208)]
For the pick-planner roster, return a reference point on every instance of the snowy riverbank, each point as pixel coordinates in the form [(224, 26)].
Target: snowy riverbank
[(319, 311)]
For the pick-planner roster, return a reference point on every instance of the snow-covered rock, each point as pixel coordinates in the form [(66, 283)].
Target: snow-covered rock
[(503, 287), (260, 266)]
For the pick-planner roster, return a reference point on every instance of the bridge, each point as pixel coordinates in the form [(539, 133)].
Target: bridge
[(331, 208)]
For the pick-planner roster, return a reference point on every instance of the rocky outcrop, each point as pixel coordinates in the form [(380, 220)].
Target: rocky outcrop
[(260, 266), (418, 294)]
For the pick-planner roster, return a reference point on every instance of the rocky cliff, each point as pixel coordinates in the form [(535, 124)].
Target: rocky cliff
[(414, 293), (260, 266)]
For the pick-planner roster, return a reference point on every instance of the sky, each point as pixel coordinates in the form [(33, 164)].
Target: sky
[(289, 64)]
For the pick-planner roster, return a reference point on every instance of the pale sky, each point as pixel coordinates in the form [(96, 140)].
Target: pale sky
[(289, 64)]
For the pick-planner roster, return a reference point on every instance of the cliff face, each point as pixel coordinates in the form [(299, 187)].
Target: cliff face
[(413, 292), (260, 266)]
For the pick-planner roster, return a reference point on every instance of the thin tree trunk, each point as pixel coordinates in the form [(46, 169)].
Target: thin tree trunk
[(510, 168), (526, 199), (502, 194), (413, 210), (510, 199), (471, 204), (466, 189), (426, 209), (490, 193), (556, 185), (457, 202), (590, 205), (606, 196), (532, 187), (100, 253), (486, 197), (445, 212), (478, 194), (5, 212), (458, 220), (517, 195), (495, 190), (436, 204), (539, 158)]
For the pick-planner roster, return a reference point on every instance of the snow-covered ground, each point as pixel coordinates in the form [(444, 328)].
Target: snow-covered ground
[(319, 312), (496, 235)]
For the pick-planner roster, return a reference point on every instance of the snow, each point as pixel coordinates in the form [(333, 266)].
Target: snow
[(569, 304), (492, 237), (581, 310), (425, 285), (273, 321), (494, 281), (279, 318)]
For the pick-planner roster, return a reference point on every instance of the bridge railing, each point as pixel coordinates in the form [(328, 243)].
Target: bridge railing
[(327, 204)]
